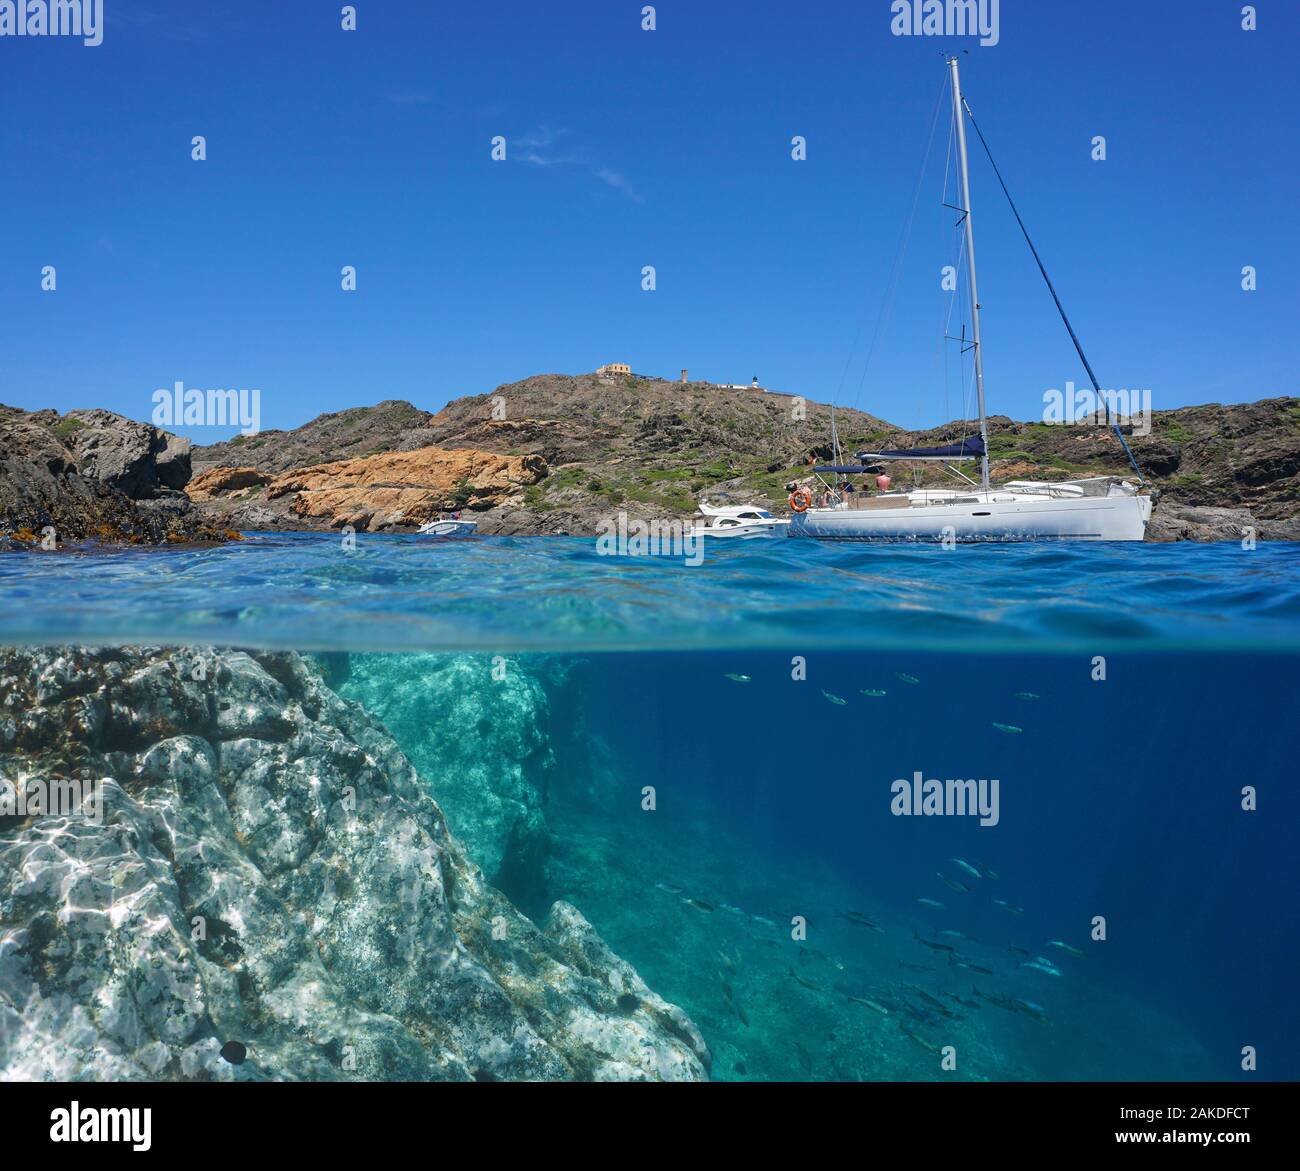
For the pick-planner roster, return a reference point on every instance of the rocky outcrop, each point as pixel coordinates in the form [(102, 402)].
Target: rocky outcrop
[(93, 475), (1171, 521), (266, 870), (404, 488), (235, 483), (392, 425), (135, 458)]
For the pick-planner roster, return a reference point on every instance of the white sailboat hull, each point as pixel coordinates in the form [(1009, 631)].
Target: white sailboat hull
[(1089, 518)]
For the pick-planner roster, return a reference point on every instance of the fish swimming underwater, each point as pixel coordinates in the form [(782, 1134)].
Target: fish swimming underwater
[(1025, 695), (835, 699), (959, 935), (871, 692), (933, 903), (699, 905), (880, 1008), (1006, 906), (931, 944), (798, 979), (1074, 951), (919, 1040), (956, 960), (859, 919), (912, 679), (966, 866), (737, 678), (951, 883), (1007, 727), (1038, 964)]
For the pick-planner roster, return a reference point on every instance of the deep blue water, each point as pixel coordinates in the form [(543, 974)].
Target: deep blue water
[(1118, 797)]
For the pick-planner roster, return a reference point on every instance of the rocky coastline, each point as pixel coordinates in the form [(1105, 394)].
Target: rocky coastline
[(561, 454)]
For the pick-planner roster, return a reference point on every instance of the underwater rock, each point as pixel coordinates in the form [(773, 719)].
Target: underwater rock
[(480, 734), (263, 875)]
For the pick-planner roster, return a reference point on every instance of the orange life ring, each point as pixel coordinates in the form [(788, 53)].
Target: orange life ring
[(801, 500)]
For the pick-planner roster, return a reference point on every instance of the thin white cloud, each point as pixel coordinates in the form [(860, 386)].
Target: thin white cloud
[(537, 150)]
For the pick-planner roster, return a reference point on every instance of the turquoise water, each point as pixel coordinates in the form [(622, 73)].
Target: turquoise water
[(305, 591), (765, 703)]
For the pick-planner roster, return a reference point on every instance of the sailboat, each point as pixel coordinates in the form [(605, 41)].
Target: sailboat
[(1099, 508)]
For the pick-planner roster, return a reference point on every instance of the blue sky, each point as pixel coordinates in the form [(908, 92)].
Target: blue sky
[(629, 148)]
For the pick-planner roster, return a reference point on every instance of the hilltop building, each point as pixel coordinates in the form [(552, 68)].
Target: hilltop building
[(615, 368)]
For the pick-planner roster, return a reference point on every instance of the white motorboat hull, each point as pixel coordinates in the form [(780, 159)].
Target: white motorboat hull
[(743, 532), (450, 528), (1089, 518)]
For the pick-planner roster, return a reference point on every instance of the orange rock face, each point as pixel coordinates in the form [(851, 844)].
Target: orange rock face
[(405, 487), (223, 481)]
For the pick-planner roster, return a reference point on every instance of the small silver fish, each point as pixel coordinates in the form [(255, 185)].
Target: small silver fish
[(1006, 906), (912, 679), (966, 866), (834, 698), (1074, 951), (737, 678), (1007, 727), (930, 903), (1025, 695), (871, 691)]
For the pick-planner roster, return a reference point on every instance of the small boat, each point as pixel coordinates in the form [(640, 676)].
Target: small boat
[(451, 526), (741, 521)]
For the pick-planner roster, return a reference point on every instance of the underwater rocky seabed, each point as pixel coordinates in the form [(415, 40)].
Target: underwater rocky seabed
[(345, 931), (380, 941)]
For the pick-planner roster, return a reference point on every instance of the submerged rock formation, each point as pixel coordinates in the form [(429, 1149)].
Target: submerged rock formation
[(480, 733), (266, 867), (94, 474)]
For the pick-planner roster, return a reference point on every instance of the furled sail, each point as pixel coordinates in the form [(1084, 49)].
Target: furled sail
[(972, 448)]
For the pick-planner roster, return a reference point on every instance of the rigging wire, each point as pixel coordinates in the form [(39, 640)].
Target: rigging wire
[(1096, 386), (891, 289)]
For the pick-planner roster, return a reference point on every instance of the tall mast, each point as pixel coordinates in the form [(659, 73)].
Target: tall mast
[(970, 265)]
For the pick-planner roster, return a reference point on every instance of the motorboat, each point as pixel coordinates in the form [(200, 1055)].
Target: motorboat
[(449, 527), (744, 522)]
